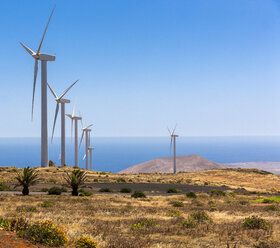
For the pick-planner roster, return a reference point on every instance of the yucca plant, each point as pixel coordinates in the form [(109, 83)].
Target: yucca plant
[(27, 178), (75, 179)]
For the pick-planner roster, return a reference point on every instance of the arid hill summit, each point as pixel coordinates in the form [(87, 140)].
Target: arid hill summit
[(165, 165)]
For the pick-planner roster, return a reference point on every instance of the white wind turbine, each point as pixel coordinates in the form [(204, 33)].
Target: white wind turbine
[(173, 140), (90, 150), (61, 101), (75, 118), (86, 131), (44, 107)]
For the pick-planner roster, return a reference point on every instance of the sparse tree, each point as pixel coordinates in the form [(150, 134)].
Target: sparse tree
[(27, 178), (75, 179)]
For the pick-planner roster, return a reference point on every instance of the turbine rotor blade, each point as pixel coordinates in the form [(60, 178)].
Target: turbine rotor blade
[(73, 114), (81, 139), (56, 112), (28, 49), (68, 89), (39, 48), (174, 129), (55, 96), (34, 85), (89, 126), (171, 144), (84, 156), (169, 130), (81, 120)]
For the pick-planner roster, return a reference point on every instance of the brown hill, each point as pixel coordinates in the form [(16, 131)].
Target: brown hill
[(165, 165)]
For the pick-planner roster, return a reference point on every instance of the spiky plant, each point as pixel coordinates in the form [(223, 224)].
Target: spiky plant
[(27, 178), (75, 179)]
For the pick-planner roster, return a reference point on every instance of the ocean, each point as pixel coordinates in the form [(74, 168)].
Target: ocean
[(116, 154)]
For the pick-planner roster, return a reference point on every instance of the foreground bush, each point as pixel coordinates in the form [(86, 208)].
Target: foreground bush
[(217, 192), (45, 233), (256, 222), (84, 193), (177, 204), (191, 195), (84, 242), (55, 191), (4, 187), (107, 190), (46, 204), (188, 223), (144, 223), (125, 190), (200, 217), (173, 213), (172, 191), (138, 194)]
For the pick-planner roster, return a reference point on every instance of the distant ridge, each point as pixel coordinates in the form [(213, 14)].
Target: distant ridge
[(165, 165)]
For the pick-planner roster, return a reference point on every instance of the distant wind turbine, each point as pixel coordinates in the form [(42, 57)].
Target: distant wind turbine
[(75, 118), (173, 140), (60, 100), (86, 131), (90, 150), (44, 107)]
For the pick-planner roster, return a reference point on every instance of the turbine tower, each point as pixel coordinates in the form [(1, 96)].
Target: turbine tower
[(90, 150), (86, 131), (173, 139), (44, 58), (60, 100), (75, 118)]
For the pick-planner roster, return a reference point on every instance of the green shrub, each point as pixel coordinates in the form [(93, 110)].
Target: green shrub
[(46, 204), (125, 190), (44, 190), (84, 242), (26, 209), (172, 191), (266, 200), (244, 202), (4, 187), (108, 190), (18, 225), (217, 192), (177, 204), (64, 190), (173, 213), (55, 191), (5, 224), (271, 208), (85, 193), (45, 233), (187, 223), (200, 217), (121, 180), (255, 222), (138, 194), (191, 195), (144, 223), (212, 204)]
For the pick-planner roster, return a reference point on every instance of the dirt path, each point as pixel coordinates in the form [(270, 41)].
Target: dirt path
[(10, 240)]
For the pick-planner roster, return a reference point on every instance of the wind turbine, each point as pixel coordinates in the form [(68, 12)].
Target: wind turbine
[(173, 139), (86, 130), (60, 100), (44, 58), (75, 118), (90, 150)]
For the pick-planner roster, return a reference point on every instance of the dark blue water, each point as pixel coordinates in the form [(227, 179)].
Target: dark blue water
[(115, 154)]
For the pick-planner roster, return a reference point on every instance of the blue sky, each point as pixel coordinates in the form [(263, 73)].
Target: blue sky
[(210, 66)]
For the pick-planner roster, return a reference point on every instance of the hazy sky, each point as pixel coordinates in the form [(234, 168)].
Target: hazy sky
[(213, 67)]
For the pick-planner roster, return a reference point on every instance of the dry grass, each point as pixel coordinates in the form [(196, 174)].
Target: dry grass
[(251, 180), (108, 219)]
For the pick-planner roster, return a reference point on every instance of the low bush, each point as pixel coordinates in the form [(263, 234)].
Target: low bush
[(44, 190), (138, 194), (255, 222), (177, 204), (187, 223), (108, 190), (45, 233), (5, 224), (4, 187), (266, 200), (84, 242), (144, 223), (244, 202), (46, 204), (55, 191), (191, 195), (173, 213), (125, 190), (200, 217), (26, 209), (217, 192), (85, 193), (121, 180), (271, 208), (172, 191)]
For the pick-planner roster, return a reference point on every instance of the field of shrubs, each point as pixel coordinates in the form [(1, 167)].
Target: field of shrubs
[(186, 219)]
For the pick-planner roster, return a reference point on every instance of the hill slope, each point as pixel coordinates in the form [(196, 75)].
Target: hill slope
[(165, 165)]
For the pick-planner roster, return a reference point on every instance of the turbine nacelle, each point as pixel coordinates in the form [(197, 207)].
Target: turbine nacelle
[(63, 100)]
